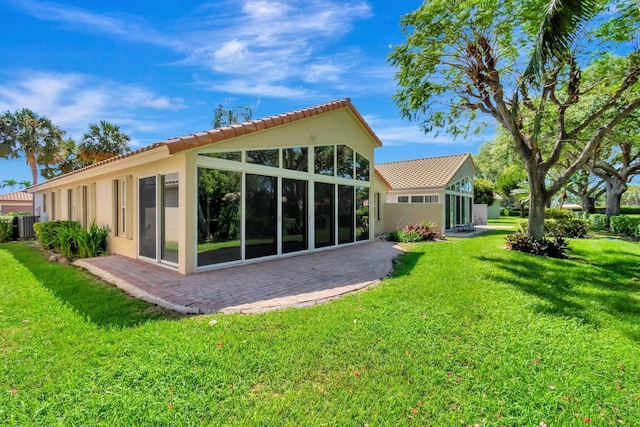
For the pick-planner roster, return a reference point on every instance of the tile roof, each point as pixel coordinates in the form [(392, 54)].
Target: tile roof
[(16, 196), (186, 142), (430, 172)]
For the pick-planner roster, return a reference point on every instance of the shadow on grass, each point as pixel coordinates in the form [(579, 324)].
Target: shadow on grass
[(403, 264), (582, 287), (98, 302)]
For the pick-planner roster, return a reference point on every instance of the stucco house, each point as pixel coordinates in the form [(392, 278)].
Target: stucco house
[(282, 185), (288, 184), (17, 201), (437, 189)]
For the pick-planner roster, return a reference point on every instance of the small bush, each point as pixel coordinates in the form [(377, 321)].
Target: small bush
[(6, 230), (71, 239), (566, 227), (505, 212), (415, 233), (627, 225), (555, 213), (554, 248), (598, 220), (570, 227)]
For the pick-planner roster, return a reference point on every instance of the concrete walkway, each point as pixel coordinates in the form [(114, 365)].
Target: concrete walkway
[(270, 285)]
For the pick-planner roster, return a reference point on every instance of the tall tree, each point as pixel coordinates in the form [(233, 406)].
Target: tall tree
[(103, 141), (11, 183), (469, 53), (24, 133), (24, 184), (619, 162), (588, 188), (70, 161), (230, 116)]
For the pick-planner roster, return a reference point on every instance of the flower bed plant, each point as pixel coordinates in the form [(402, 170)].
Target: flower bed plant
[(71, 239), (425, 231)]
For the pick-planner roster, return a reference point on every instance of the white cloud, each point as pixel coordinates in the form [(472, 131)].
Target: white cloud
[(127, 27), (267, 44), (243, 87), (398, 132), (72, 101)]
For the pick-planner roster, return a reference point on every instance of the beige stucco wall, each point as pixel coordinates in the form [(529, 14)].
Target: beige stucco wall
[(335, 127), (146, 164), (397, 215), (466, 170)]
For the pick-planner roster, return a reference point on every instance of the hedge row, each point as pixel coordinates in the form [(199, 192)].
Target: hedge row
[(626, 225)]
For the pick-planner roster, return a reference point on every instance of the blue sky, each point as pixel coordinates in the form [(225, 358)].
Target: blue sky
[(158, 69)]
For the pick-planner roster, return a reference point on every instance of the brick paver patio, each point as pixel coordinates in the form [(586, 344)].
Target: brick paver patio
[(287, 282)]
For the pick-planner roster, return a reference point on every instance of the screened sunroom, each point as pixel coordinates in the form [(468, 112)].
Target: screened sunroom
[(256, 203)]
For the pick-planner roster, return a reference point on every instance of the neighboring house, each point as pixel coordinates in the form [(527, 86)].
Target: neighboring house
[(18, 201), (436, 189), (287, 184)]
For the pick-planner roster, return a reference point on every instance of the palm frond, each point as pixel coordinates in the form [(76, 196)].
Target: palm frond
[(562, 20)]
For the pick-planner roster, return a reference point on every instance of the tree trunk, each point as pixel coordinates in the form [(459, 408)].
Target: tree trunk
[(615, 191), (537, 204), (588, 203), (34, 169)]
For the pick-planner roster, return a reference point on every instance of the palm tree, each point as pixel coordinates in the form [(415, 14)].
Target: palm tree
[(9, 183), (25, 184), (560, 24), (24, 133), (230, 116), (102, 142)]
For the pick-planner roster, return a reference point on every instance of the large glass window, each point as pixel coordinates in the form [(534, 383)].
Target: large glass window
[(362, 213), (294, 216), (345, 214), (324, 201), (345, 161), (219, 197), (170, 219), (147, 217), (261, 216), (264, 157), (362, 168), (324, 160), (295, 159)]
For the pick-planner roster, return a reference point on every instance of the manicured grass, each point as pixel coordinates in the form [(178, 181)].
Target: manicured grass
[(464, 333), (505, 220)]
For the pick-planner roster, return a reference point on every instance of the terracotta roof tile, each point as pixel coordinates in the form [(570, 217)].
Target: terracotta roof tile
[(16, 196), (429, 172), (186, 142)]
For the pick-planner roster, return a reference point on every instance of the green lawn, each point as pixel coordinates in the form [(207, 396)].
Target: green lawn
[(464, 333)]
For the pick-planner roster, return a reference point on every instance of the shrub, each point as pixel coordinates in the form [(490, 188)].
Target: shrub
[(554, 248), (71, 239), (627, 225), (565, 227), (555, 213), (571, 227), (415, 233), (505, 212), (598, 220), (6, 229)]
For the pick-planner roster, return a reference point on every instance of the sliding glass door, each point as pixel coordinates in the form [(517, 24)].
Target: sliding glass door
[(261, 218), (169, 217), (158, 217), (147, 217), (294, 216), (324, 201)]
